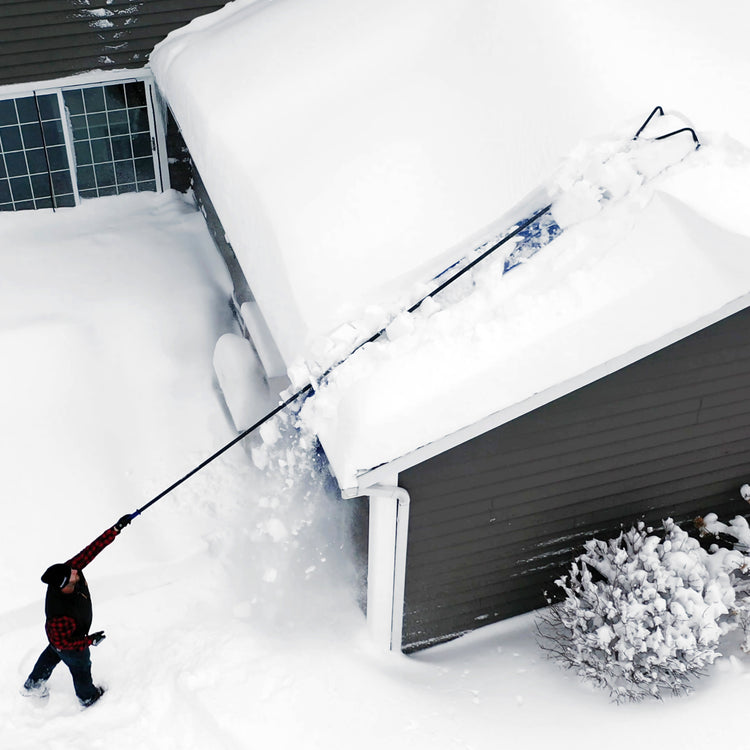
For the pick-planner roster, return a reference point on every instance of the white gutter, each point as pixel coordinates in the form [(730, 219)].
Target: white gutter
[(386, 562)]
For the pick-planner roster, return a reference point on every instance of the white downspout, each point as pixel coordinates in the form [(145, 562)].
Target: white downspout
[(386, 565)]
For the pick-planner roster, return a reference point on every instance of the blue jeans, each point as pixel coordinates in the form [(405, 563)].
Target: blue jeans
[(79, 664)]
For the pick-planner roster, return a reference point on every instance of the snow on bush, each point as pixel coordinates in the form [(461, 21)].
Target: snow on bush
[(736, 534), (643, 613)]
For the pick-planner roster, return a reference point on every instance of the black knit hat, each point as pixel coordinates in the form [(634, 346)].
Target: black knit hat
[(57, 575)]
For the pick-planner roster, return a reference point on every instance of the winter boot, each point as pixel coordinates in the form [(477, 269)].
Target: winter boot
[(33, 689), (90, 702)]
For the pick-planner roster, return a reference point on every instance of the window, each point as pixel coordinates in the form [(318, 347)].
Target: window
[(73, 143), (112, 139), (34, 166)]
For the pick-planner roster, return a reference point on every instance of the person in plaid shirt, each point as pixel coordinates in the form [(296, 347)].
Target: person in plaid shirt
[(69, 616)]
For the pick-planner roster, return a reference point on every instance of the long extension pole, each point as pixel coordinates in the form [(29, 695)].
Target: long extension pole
[(222, 450), (309, 386)]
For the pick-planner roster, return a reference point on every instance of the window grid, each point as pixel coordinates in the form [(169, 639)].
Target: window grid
[(112, 139), (105, 131), (24, 175)]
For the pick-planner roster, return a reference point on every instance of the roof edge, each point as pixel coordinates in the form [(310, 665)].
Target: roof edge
[(497, 419)]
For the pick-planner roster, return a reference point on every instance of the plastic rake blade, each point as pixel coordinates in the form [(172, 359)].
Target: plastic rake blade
[(531, 240)]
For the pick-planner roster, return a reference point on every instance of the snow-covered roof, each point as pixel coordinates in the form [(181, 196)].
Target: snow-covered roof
[(347, 143), (353, 148), (648, 270)]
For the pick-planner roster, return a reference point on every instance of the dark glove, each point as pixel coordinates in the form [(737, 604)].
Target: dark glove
[(97, 638), (123, 522)]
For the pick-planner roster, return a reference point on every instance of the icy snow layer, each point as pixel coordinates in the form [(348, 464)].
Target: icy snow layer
[(346, 143), (633, 277)]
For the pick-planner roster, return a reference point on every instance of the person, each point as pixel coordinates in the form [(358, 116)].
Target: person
[(69, 616)]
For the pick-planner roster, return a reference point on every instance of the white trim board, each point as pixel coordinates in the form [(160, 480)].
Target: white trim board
[(90, 78)]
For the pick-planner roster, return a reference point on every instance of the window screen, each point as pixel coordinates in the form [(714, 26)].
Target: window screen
[(112, 139), (33, 158)]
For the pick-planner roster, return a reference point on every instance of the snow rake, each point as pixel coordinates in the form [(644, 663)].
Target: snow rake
[(534, 232), (309, 387)]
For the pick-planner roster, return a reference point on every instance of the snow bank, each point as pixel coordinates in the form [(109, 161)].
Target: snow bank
[(346, 144), (96, 323)]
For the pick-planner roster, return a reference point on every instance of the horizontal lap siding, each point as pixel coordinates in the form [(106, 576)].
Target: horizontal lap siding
[(242, 291), (495, 520), (46, 39)]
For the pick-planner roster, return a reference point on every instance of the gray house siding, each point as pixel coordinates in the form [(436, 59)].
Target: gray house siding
[(494, 521), (46, 39), (184, 176), (242, 291)]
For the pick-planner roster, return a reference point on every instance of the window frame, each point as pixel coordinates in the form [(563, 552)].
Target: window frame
[(154, 109)]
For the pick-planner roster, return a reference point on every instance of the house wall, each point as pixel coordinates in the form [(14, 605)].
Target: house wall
[(494, 521), (242, 291), (45, 39), (184, 175)]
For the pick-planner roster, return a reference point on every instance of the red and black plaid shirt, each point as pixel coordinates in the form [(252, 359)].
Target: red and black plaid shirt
[(62, 630)]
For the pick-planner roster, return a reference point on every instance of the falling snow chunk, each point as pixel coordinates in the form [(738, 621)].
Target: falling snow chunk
[(270, 575), (270, 432), (260, 456), (276, 529)]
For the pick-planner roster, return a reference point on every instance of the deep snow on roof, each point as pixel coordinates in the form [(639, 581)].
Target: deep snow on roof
[(671, 257), (350, 148), (348, 143)]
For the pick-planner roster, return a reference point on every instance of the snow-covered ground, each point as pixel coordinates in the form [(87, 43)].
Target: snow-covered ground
[(230, 604)]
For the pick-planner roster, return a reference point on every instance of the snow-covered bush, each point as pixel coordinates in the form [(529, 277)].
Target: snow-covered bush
[(642, 614), (736, 536)]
